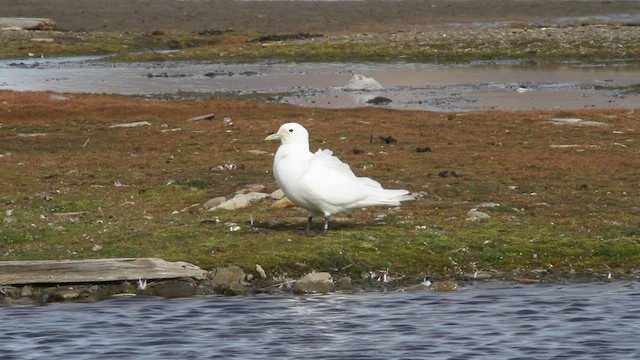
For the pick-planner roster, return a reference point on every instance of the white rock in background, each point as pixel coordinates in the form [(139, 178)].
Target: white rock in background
[(475, 215), (363, 83), (240, 201)]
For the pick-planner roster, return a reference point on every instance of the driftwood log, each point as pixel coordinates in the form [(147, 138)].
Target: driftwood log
[(26, 24), (94, 270)]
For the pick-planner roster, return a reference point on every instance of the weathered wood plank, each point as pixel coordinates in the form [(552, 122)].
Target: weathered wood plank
[(94, 270), (27, 23)]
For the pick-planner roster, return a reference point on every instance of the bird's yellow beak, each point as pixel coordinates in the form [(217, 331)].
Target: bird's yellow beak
[(273, 137)]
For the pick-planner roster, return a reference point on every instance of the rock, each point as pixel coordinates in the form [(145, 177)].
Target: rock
[(480, 275), (57, 97), (251, 188), (379, 100), (283, 203), (240, 201), (359, 82), (277, 195), (260, 271), (574, 121), (448, 173), (127, 288), (25, 301), (487, 205), (345, 283), (11, 291), (173, 288), (416, 287), (314, 283), (8, 23), (26, 291), (475, 215), (211, 203), (228, 280), (66, 294), (444, 286)]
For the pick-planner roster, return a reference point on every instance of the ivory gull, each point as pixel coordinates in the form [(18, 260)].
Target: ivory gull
[(322, 184)]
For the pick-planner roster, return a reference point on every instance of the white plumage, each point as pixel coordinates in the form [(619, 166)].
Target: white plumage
[(319, 182)]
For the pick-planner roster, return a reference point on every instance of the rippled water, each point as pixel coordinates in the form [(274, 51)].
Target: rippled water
[(489, 321)]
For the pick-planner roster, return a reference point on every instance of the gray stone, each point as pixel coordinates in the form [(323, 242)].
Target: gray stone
[(26, 291), (173, 288), (241, 201), (314, 283), (228, 280), (251, 188), (211, 203), (277, 195), (574, 121), (260, 271), (475, 215)]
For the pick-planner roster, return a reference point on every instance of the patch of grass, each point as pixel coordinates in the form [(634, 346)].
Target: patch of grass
[(574, 208), (588, 42)]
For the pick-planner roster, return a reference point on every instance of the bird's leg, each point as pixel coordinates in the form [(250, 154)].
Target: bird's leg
[(309, 220), (326, 225)]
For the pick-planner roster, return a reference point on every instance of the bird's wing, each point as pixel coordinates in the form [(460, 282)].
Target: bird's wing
[(330, 180)]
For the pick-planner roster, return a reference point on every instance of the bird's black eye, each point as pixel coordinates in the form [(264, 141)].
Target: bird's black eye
[(290, 130)]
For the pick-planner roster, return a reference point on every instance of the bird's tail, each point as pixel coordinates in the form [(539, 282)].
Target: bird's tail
[(387, 197)]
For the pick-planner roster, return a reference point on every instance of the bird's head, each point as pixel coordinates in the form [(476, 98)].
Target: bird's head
[(291, 133)]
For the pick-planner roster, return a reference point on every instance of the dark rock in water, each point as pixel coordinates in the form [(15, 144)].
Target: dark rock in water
[(423, 149), (173, 288), (228, 280), (379, 100), (314, 283)]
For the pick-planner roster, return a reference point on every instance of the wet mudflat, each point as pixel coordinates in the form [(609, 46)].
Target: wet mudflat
[(475, 86), (490, 320)]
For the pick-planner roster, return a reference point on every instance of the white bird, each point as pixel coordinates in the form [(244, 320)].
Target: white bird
[(319, 182)]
